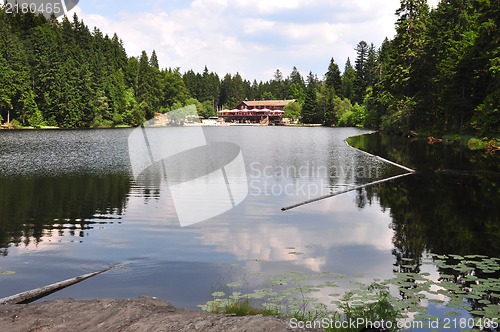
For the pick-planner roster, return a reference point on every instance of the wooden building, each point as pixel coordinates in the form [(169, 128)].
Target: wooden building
[(257, 111)]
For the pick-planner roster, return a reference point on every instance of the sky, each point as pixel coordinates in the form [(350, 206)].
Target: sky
[(251, 37)]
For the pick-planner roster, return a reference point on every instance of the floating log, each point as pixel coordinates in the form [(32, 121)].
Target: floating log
[(409, 170), (35, 294), (344, 191)]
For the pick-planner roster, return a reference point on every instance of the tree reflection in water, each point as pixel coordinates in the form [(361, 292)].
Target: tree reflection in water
[(34, 207), (450, 207)]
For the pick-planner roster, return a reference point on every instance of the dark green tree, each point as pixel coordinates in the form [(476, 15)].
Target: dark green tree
[(174, 90), (333, 78), (278, 85), (403, 75), (330, 116), (153, 62), (360, 66), (232, 90), (296, 86), (16, 94), (309, 113), (371, 69), (148, 86), (486, 117), (348, 78)]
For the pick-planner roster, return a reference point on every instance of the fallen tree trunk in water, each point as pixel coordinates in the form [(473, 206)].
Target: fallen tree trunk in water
[(35, 294)]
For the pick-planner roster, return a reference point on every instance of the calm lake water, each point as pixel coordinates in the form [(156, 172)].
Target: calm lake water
[(69, 205)]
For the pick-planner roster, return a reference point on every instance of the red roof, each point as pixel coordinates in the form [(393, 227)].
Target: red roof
[(267, 103)]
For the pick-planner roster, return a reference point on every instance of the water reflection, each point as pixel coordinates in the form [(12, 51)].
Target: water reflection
[(368, 232), (449, 206), (36, 207)]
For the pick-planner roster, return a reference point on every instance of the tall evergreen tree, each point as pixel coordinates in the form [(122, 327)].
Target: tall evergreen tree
[(330, 116), (278, 85), (361, 79), (486, 90), (402, 76), (148, 86), (309, 109), (296, 86), (191, 82), (371, 66), (16, 94), (348, 78), (333, 78), (153, 62)]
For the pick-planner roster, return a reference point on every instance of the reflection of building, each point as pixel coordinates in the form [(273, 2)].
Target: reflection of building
[(261, 111)]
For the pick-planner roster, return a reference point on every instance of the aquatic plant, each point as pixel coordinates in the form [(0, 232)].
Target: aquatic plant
[(469, 283)]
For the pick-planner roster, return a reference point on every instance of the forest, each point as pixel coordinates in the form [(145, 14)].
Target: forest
[(439, 74)]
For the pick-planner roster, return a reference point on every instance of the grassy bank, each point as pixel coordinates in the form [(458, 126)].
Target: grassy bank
[(471, 141)]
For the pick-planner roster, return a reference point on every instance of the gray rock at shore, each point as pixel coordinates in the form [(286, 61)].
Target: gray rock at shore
[(142, 314)]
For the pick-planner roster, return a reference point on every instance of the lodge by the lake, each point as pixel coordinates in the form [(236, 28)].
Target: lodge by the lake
[(257, 111)]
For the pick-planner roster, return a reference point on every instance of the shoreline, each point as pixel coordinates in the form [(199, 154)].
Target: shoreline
[(139, 314), (473, 143)]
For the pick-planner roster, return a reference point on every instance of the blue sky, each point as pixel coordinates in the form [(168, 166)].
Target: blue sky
[(252, 37)]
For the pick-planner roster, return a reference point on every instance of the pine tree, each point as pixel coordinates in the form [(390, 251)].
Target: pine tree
[(371, 67), (224, 91), (118, 54), (132, 74), (237, 91), (7, 90), (296, 87), (348, 78), (147, 86), (333, 78), (16, 96), (361, 79), (213, 83), (330, 117), (191, 82), (309, 109), (153, 62), (403, 77), (408, 45), (486, 117), (278, 85)]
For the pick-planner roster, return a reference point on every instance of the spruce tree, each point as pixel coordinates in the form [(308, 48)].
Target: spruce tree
[(144, 93), (333, 78), (348, 78), (296, 86), (309, 109), (361, 79), (371, 67)]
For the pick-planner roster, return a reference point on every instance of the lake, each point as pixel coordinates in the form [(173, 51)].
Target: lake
[(71, 203)]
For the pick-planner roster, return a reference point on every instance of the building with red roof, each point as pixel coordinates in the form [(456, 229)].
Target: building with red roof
[(257, 111)]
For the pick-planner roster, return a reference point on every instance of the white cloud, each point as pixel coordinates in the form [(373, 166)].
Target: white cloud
[(252, 37), (277, 244), (267, 6)]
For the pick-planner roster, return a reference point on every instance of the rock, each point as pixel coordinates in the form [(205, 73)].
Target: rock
[(142, 314)]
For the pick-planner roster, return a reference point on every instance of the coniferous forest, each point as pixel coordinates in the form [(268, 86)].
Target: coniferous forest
[(439, 74)]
